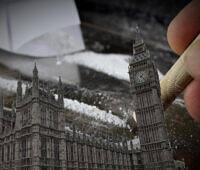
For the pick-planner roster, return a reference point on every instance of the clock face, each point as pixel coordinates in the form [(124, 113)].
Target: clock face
[(141, 77)]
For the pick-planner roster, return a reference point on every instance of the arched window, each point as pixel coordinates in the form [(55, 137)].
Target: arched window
[(55, 120), (2, 153), (13, 156), (43, 116), (25, 116), (43, 147), (8, 152), (24, 148), (56, 149), (51, 118)]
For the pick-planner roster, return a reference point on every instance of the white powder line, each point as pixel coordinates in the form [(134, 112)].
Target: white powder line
[(92, 111), (115, 65)]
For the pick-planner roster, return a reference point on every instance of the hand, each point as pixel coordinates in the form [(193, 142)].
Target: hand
[(181, 32)]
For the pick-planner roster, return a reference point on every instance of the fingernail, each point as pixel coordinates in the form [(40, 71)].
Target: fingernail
[(193, 60)]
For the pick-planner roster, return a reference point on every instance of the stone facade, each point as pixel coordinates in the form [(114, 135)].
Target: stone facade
[(33, 137), (33, 134)]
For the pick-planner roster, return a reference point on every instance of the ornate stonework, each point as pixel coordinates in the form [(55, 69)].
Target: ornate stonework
[(145, 87), (33, 135)]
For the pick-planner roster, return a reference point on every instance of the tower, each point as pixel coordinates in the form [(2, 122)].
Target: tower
[(145, 88), (60, 92), (40, 127), (19, 89), (35, 82)]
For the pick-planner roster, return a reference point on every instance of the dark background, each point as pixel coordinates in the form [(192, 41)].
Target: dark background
[(108, 26)]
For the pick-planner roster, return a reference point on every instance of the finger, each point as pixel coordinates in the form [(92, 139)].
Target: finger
[(193, 60), (184, 27), (191, 97)]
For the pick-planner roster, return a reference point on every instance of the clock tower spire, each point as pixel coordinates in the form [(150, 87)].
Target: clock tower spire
[(145, 88), (139, 49)]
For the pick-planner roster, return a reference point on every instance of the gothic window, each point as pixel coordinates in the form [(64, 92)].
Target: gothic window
[(158, 155), (55, 119), (72, 151), (91, 155), (43, 147), (141, 102), (155, 156), (51, 118), (28, 114), (106, 156), (2, 154), (13, 125), (56, 149), (51, 147), (67, 151), (3, 126), (82, 153), (24, 148), (8, 152), (23, 119), (99, 155), (25, 116), (150, 156), (43, 116), (13, 156)]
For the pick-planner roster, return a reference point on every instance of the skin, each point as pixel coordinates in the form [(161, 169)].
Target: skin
[(181, 32)]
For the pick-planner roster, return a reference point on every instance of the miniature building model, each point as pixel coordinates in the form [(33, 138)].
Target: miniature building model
[(35, 131), (155, 146), (33, 134), (33, 137)]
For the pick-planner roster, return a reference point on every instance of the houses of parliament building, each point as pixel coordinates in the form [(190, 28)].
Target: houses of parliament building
[(33, 134)]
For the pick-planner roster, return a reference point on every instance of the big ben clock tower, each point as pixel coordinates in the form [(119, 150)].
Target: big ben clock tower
[(145, 89)]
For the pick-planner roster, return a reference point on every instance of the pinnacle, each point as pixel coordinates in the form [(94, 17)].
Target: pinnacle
[(60, 80), (137, 29), (35, 68), (19, 78), (138, 37)]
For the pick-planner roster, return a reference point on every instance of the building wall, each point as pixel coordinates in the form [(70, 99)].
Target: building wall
[(87, 152), (34, 137)]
